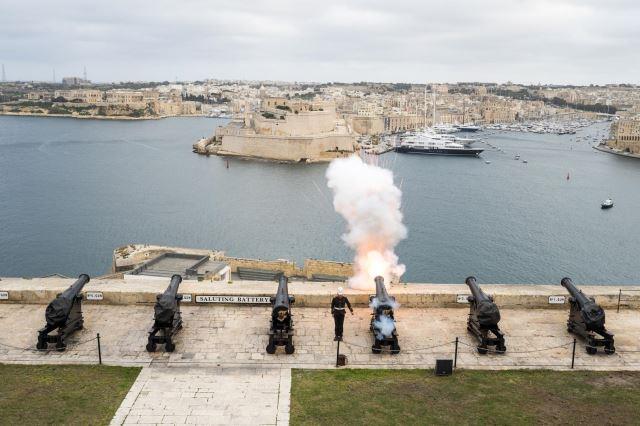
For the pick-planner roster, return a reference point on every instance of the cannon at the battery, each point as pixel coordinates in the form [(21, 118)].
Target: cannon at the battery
[(483, 320), (281, 329), (63, 314), (167, 319), (383, 323), (586, 319)]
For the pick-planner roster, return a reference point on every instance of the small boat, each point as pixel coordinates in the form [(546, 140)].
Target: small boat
[(517, 157), (607, 204), (525, 161), (487, 162)]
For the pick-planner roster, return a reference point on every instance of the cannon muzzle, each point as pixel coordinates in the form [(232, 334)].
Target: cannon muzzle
[(591, 312), (382, 296), (167, 303), (58, 310)]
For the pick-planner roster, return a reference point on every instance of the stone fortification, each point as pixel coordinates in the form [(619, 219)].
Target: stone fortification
[(284, 130)]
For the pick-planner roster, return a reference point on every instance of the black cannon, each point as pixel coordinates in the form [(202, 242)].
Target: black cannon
[(65, 314), (586, 319), (484, 317), (167, 318), (383, 324), (281, 330)]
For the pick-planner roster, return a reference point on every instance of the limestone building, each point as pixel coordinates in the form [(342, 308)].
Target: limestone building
[(288, 130), (625, 135)]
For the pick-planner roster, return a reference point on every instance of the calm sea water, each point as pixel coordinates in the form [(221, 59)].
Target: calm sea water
[(73, 190)]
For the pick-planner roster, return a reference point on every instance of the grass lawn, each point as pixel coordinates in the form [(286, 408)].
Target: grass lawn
[(372, 397), (62, 394)]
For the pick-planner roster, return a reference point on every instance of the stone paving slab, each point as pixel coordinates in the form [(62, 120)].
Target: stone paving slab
[(207, 395), (237, 336)]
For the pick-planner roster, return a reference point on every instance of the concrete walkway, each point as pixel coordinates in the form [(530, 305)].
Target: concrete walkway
[(208, 395)]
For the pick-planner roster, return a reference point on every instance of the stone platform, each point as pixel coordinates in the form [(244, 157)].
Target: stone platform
[(216, 336), (314, 294)]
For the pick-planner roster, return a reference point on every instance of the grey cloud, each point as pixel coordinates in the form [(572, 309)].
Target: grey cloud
[(560, 41)]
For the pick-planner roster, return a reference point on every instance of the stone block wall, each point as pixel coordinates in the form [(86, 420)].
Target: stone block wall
[(325, 267)]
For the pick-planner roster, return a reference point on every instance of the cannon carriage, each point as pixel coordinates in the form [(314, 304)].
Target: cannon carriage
[(281, 328), (64, 313), (483, 320), (167, 319), (586, 319), (383, 323)]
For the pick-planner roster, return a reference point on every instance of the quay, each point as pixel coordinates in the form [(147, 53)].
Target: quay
[(609, 150)]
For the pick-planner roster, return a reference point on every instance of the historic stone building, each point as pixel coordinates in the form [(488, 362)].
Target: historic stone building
[(625, 135)]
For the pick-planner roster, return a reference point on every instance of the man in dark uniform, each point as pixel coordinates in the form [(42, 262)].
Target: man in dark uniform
[(338, 311)]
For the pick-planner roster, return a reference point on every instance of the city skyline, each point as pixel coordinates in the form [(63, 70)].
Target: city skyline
[(561, 42)]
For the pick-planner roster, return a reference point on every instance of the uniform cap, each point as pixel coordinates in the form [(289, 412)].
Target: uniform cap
[(340, 290)]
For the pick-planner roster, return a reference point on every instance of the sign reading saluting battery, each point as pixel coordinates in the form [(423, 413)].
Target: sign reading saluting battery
[(245, 300)]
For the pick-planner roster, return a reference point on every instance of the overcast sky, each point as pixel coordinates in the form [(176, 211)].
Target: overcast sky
[(557, 41)]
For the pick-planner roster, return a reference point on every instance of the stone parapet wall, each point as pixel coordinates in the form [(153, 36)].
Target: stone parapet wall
[(326, 267), (311, 294), (286, 266)]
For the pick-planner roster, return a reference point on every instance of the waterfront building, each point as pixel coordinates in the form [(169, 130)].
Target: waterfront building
[(125, 97), (87, 96), (288, 130), (625, 135)]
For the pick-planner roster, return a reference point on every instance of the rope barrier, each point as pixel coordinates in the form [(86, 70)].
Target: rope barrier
[(516, 352), (33, 349)]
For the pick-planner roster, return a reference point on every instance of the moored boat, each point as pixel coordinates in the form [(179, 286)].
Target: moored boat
[(606, 204)]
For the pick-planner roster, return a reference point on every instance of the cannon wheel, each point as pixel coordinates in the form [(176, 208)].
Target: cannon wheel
[(376, 349), (271, 347), (482, 349), (289, 348), (170, 346), (591, 350), (80, 325), (395, 348), (60, 346), (151, 347), (42, 345), (501, 349), (609, 350)]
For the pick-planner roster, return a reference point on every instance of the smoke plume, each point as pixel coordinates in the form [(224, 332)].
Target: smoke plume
[(367, 198), (383, 327)]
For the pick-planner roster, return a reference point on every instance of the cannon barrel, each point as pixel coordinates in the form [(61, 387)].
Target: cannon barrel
[(381, 292), (60, 307), (476, 291), (167, 302), (592, 314), (577, 294), (282, 299)]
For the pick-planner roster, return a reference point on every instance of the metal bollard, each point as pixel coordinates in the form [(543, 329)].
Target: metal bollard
[(455, 356), (338, 355), (573, 354), (99, 349)]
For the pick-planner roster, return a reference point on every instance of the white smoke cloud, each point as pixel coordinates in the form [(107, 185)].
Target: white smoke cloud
[(383, 327), (367, 198)]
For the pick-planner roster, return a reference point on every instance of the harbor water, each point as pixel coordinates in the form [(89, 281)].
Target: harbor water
[(73, 190)]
